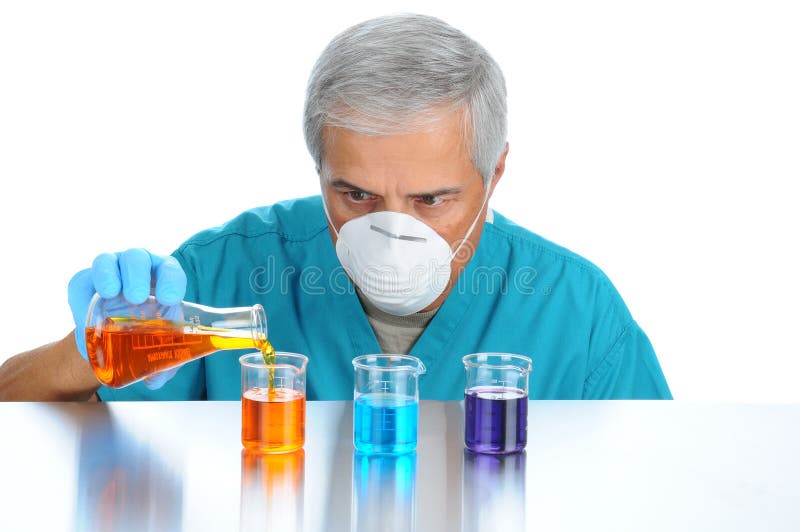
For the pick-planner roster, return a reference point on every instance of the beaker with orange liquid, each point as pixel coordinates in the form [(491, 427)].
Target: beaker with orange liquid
[(127, 342), (273, 402)]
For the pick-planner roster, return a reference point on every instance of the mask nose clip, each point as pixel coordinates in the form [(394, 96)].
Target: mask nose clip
[(388, 234)]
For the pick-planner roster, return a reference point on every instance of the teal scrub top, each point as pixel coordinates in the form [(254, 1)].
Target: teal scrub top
[(518, 294)]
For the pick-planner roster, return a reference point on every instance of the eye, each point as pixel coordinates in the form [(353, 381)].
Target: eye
[(430, 200), (358, 196)]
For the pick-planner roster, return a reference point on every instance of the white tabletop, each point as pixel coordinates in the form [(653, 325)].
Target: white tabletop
[(588, 466)]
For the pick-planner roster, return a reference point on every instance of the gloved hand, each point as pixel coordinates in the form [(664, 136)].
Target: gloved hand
[(131, 272)]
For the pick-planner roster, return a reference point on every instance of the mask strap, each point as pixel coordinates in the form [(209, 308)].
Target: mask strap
[(328, 215), (471, 227)]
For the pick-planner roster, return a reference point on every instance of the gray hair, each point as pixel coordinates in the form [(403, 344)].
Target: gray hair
[(392, 74)]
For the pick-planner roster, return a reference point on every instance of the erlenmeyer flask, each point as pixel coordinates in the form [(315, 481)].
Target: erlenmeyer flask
[(127, 342)]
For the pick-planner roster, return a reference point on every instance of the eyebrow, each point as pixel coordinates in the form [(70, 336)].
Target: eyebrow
[(446, 191), (341, 183)]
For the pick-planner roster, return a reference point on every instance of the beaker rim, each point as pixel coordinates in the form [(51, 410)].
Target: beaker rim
[(526, 364), (259, 356), (418, 367)]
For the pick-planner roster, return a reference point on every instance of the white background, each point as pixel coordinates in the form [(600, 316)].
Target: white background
[(658, 139)]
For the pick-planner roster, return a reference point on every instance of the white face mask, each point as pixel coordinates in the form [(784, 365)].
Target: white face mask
[(400, 264)]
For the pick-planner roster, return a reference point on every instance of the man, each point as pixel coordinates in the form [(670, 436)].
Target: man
[(405, 118)]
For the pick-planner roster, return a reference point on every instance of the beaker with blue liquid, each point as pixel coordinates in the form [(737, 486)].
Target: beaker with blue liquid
[(386, 407)]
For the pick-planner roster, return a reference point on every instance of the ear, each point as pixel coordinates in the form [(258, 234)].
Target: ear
[(499, 169)]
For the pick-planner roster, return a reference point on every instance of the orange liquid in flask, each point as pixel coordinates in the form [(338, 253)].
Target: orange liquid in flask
[(127, 350)]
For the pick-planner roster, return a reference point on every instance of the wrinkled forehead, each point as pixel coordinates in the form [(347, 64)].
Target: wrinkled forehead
[(436, 154)]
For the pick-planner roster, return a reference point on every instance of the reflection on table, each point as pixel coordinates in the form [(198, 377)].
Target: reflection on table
[(384, 492), (493, 492), (272, 491), (122, 483)]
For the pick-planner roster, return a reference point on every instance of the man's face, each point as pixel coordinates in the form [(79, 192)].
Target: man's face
[(428, 175)]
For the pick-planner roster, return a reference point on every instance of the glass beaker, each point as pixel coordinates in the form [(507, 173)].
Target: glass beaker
[(386, 403), (273, 402), (496, 402), (127, 342)]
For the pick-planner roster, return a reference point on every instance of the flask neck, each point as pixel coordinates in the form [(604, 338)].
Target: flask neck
[(240, 322)]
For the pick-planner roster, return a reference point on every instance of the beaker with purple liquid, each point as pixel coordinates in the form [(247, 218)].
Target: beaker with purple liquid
[(496, 402)]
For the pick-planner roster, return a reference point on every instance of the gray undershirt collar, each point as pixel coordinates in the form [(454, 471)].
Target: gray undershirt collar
[(416, 320), (395, 334)]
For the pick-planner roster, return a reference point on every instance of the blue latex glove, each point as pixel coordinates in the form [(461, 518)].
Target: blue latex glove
[(130, 272)]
